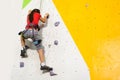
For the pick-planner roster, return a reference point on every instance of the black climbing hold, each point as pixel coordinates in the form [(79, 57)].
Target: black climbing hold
[(21, 64), (57, 23), (55, 42), (47, 16)]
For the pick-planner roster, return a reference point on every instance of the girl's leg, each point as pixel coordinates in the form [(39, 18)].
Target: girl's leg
[(41, 55), (22, 41), (37, 42), (23, 51)]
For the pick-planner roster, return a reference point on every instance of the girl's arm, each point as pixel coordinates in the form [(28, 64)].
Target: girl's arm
[(44, 18)]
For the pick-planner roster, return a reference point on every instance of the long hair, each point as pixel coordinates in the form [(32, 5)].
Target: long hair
[(32, 13)]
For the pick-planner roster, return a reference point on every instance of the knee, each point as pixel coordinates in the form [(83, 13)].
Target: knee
[(39, 47)]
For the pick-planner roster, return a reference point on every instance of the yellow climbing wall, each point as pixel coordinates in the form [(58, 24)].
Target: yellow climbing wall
[(95, 28)]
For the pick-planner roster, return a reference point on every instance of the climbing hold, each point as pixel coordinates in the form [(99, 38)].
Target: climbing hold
[(21, 64), (55, 42), (86, 5), (49, 45), (52, 73), (57, 23), (47, 16)]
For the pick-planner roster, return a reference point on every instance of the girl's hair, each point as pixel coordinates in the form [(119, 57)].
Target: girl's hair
[(32, 13)]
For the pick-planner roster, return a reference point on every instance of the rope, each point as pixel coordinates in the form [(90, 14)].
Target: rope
[(41, 2), (40, 5)]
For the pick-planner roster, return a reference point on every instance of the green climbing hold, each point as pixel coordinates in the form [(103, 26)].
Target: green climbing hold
[(25, 3)]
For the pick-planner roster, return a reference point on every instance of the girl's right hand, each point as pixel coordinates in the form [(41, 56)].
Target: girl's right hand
[(47, 15)]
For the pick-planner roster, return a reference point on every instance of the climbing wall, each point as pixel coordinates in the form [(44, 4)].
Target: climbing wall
[(95, 27), (60, 50)]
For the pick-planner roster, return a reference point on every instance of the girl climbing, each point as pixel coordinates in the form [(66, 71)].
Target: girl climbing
[(31, 31)]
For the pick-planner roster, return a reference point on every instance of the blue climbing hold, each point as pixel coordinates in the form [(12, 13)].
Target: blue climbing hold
[(21, 64), (57, 23), (56, 42)]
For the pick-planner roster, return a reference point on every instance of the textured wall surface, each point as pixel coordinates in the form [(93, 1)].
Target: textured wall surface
[(95, 28)]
